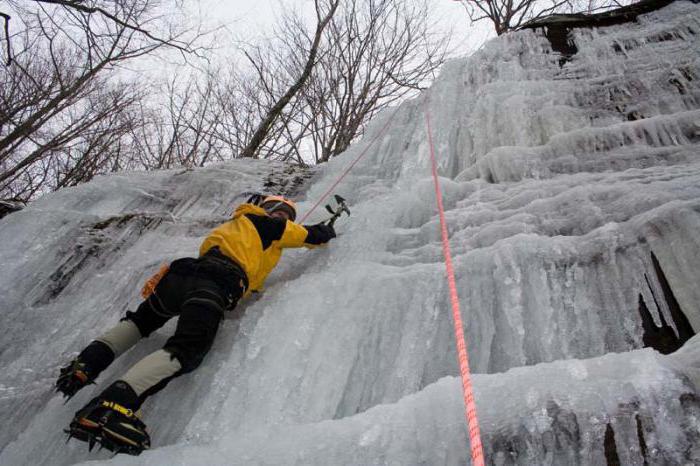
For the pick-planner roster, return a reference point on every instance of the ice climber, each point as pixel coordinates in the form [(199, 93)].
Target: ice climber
[(233, 261)]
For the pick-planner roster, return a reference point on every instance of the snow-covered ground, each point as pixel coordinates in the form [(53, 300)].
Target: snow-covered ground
[(573, 197)]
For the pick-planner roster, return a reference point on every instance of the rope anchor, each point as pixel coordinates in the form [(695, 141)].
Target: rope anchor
[(342, 208)]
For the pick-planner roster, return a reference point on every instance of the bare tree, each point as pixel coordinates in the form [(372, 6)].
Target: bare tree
[(380, 51), (323, 18), (241, 102), (305, 96), (58, 91), (141, 23), (508, 15), (77, 144), (6, 20), (182, 129), (372, 53), (245, 98)]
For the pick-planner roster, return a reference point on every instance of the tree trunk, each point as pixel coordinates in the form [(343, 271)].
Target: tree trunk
[(265, 125)]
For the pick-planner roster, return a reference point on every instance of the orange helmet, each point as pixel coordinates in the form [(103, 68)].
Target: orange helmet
[(274, 203)]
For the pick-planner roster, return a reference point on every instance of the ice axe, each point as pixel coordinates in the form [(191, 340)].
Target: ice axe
[(342, 208)]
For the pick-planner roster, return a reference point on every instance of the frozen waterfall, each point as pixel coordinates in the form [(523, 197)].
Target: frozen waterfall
[(573, 197)]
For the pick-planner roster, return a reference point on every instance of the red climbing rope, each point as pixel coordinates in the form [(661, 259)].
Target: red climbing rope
[(352, 165), (468, 392)]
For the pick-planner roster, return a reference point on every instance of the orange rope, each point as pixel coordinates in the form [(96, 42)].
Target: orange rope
[(468, 392)]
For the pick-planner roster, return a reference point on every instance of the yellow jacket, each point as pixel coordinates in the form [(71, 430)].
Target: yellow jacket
[(254, 240)]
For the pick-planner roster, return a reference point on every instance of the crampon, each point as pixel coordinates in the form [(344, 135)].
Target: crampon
[(73, 377), (110, 426)]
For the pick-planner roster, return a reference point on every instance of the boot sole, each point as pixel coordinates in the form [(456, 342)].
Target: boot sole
[(90, 432), (119, 437)]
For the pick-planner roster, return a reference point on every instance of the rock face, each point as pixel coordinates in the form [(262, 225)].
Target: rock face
[(558, 26), (573, 202), (7, 207)]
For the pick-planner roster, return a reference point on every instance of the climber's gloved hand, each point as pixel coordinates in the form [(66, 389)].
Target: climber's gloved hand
[(319, 233), (328, 230)]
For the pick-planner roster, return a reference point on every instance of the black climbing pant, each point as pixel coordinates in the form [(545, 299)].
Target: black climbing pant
[(199, 291)]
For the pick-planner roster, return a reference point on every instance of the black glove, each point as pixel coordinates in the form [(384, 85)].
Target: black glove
[(328, 230), (319, 233)]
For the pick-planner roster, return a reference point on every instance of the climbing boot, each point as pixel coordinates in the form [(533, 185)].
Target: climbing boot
[(111, 421), (84, 369), (73, 377)]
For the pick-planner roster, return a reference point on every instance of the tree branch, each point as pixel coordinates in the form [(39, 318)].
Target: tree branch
[(7, 18), (77, 5)]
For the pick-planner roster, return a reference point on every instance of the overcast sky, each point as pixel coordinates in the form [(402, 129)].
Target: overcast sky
[(245, 19)]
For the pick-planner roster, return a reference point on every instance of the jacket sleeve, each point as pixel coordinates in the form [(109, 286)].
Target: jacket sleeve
[(296, 235), (289, 234)]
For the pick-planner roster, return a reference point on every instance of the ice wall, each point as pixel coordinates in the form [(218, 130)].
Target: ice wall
[(573, 196)]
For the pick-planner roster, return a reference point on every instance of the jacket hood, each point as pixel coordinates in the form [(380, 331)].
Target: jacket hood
[(248, 209)]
